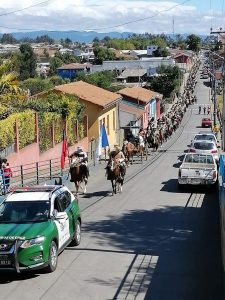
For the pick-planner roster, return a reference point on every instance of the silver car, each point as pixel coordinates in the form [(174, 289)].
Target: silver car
[(205, 147)]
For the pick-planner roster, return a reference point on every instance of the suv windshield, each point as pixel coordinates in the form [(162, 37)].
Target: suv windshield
[(24, 211), (203, 146)]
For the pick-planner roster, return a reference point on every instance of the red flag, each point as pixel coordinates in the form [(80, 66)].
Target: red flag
[(64, 150)]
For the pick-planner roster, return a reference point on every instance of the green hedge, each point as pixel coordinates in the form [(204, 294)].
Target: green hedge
[(26, 123)]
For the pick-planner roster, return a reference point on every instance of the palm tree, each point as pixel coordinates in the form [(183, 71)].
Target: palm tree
[(10, 93)]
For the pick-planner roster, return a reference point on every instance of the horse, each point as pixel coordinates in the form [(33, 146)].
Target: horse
[(79, 174), (129, 150), (114, 174), (153, 141)]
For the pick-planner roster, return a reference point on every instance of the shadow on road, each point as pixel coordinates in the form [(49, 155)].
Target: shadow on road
[(7, 277), (97, 194), (184, 239)]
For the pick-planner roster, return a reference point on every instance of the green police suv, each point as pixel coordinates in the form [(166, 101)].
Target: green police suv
[(36, 224)]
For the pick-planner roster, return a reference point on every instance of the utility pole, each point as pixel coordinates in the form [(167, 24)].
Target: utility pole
[(223, 113), (214, 93)]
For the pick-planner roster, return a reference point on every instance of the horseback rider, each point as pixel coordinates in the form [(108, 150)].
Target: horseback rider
[(141, 138), (118, 155), (82, 155)]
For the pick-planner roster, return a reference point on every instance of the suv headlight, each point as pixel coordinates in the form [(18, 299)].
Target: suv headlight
[(36, 241)]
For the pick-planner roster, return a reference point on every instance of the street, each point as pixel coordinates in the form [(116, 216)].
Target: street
[(151, 242)]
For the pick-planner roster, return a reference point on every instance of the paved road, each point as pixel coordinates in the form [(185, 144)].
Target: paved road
[(150, 242)]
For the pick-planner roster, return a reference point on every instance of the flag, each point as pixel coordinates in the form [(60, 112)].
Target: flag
[(103, 141), (64, 150)]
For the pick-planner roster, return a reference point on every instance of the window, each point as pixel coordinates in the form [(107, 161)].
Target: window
[(108, 131), (62, 201), (114, 121)]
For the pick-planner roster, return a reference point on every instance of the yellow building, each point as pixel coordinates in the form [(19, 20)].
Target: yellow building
[(100, 107), (109, 116)]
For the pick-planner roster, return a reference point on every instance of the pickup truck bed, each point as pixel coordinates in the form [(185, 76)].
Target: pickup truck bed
[(197, 173)]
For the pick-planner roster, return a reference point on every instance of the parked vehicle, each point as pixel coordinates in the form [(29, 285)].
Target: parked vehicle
[(197, 169), (205, 136), (206, 122), (36, 224), (205, 147)]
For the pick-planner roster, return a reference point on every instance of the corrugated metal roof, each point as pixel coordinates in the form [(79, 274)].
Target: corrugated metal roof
[(132, 73)]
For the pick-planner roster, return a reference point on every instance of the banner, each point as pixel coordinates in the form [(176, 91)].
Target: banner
[(102, 142), (64, 150)]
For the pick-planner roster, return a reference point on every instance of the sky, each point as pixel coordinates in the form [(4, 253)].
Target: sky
[(139, 16)]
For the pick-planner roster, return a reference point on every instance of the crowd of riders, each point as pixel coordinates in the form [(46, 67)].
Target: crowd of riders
[(158, 131)]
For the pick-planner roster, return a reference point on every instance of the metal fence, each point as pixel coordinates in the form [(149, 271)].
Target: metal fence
[(42, 171)]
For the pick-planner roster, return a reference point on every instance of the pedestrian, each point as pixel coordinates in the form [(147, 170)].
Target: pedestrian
[(199, 109), (216, 130), (7, 174), (208, 110), (204, 109)]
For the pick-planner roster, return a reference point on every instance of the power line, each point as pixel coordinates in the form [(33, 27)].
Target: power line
[(108, 27), (25, 8), (143, 19)]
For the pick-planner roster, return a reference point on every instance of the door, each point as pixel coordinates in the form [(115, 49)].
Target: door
[(62, 224)]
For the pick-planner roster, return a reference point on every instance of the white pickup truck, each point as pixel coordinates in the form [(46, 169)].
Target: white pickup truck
[(197, 169)]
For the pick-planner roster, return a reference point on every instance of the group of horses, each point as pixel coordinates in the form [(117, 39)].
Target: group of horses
[(157, 132)]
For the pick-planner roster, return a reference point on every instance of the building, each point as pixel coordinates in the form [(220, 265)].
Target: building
[(85, 55), (71, 70), (151, 49), (132, 76), (101, 106), (144, 99), (143, 63)]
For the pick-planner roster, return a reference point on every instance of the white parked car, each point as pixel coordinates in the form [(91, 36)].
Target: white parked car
[(205, 147)]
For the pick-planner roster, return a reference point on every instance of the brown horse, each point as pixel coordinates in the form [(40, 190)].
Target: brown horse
[(78, 175), (114, 174), (129, 150)]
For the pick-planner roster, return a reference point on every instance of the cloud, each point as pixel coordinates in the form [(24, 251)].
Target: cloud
[(104, 16)]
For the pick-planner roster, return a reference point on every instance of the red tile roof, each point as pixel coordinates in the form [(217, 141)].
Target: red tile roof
[(139, 93), (88, 92)]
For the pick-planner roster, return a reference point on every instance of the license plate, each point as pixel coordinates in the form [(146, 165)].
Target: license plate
[(5, 262)]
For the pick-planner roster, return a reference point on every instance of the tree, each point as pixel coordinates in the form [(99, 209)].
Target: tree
[(166, 81), (10, 93), (44, 39), (103, 54), (36, 85), (96, 40), (102, 79), (193, 42), (60, 59), (8, 38), (27, 62)]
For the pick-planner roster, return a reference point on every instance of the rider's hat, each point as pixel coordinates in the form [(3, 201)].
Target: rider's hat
[(116, 146), (79, 148)]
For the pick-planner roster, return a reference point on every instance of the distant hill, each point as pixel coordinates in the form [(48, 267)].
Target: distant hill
[(82, 36), (76, 36)]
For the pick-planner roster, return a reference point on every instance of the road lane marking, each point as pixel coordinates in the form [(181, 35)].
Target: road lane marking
[(137, 280)]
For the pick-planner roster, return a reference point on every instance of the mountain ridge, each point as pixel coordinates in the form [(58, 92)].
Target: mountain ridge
[(80, 36)]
